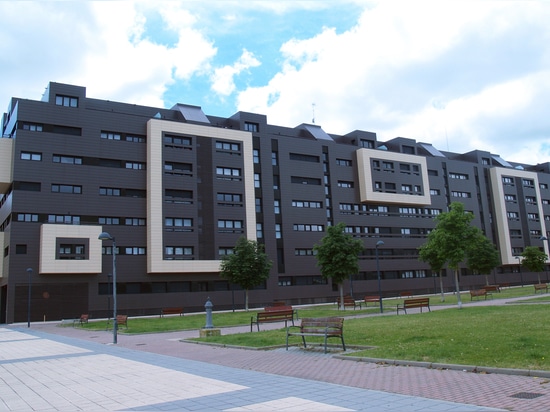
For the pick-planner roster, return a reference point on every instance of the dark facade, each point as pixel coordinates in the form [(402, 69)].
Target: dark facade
[(177, 188)]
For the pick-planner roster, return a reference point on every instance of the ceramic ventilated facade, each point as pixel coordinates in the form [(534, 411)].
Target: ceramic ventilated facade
[(177, 188)]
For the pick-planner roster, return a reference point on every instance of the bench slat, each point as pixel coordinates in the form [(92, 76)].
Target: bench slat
[(273, 314), (331, 327), (413, 304)]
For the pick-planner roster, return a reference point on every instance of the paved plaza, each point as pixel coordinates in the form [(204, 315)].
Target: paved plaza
[(51, 368)]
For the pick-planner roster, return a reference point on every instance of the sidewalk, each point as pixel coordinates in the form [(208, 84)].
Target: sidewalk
[(48, 367)]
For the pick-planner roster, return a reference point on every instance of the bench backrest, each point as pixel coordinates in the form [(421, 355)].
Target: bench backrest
[(121, 318), (275, 314), (347, 300), (277, 308), (372, 298), (416, 302), (478, 292), (331, 325)]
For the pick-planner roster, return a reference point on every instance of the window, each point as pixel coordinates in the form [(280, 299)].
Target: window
[(543, 186), (507, 180), (528, 182), (274, 159), (31, 156), (512, 215), (277, 206), (173, 168), (461, 194), (369, 144), (278, 231), (460, 176), (275, 182), (307, 228), (251, 127), (110, 135), (177, 141), (345, 184), (533, 216), (134, 250), (256, 156), (224, 198), (305, 180), (135, 165), (531, 200), (387, 166), (178, 252), (224, 251), (258, 205), (67, 101), (27, 217), (33, 127), (307, 204), (228, 173), (56, 188), (510, 198), (343, 162), (259, 230), (134, 221), (406, 188), (108, 220), (178, 224), (234, 226), (228, 146), (70, 160), (435, 192), (257, 183), (109, 191), (304, 252), (72, 252), (64, 219)]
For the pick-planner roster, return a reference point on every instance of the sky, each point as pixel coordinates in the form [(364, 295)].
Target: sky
[(461, 75)]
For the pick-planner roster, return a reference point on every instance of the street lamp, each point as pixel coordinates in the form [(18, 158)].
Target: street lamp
[(106, 236), (29, 271), (520, 272), (379, 243)]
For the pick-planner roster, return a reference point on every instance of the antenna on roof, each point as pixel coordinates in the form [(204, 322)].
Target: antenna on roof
[(313, 110)]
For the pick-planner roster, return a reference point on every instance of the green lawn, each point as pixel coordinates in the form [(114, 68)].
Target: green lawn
[(507, 336)]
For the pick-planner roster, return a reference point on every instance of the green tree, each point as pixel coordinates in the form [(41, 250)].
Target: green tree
[(247, 267), (534, 259), (451, 239), (483, 256), (428, 253), (337, 256)]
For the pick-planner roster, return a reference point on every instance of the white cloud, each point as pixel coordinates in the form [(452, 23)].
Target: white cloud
[(223, 78), (383, 75)]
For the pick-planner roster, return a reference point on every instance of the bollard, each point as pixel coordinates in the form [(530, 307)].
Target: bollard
[(208, 307)]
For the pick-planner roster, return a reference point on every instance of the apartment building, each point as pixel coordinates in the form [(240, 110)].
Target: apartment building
[(176, 188)]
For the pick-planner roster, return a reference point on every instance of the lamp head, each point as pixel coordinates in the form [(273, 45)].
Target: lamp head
[(379, 243), (105, 236)]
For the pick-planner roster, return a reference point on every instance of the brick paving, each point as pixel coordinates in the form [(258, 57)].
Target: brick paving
[(501, 391)]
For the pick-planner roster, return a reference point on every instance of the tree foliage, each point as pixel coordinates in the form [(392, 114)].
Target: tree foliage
[(534, 259), (247, 267), (337, 255), (483, 257), (450, 241)]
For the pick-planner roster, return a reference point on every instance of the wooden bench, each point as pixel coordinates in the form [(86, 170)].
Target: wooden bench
[(406, 294), (278, 308), (492, 288), (479, 293), (373, 299), (171, 311), (83, 319), (541, 287), (331, 327), (414, 303), (121, 320), (348, 302), (273, 314)]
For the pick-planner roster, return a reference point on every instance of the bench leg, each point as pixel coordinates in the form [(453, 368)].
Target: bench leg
[(325, 343), (304, 340)]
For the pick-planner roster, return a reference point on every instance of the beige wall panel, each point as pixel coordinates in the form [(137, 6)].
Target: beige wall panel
[(366, 190), (6, 164), (155, 170), (49, 264)]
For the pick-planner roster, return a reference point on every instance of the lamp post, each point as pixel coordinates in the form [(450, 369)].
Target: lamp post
[(29, 271), (106, 236), (379, 243), (520, 272)]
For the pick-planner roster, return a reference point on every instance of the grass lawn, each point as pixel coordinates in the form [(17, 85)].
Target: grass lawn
[(508, 336)]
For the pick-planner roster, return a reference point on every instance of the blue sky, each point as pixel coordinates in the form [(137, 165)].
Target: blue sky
[(462, 75)]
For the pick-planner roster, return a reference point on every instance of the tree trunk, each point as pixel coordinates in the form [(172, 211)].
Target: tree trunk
[(441, 285), (341, 289), (457, 287), (487, 280), (246, 300)]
